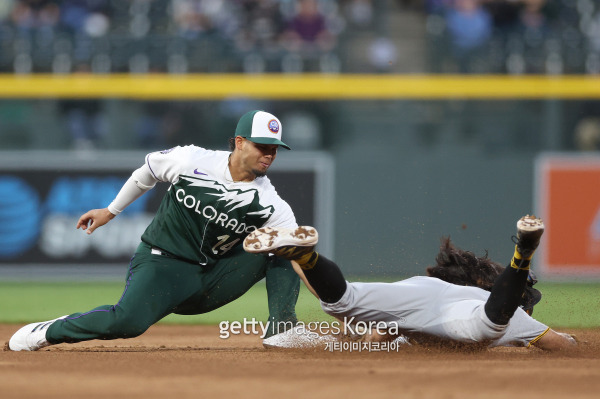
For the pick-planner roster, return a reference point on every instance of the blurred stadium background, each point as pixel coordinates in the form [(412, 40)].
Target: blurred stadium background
[(418, 119)]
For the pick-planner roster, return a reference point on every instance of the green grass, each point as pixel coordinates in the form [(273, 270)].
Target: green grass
[(28, 302), (569, 305), (563, 305)]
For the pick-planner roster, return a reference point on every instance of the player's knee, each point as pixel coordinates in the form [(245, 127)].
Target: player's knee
[(498, 314)]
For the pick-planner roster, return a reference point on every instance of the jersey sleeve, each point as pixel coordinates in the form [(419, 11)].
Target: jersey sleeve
[(130, 192), (283, 216), (167, 165)]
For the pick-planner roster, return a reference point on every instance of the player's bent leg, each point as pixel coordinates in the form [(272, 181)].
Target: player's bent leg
[(508, 288), (283, 288), (236, 274), (155, 285), (466, 321), (290, 244), (326, 278), (298, 244), (104, 322), (228, 280)]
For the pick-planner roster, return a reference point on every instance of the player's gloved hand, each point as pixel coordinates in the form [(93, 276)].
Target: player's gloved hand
[(97, 218)]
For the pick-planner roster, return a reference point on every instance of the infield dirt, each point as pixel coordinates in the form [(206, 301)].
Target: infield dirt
[(192, 361)]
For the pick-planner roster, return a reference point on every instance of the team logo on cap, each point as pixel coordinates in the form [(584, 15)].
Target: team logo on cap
[(274, 126)]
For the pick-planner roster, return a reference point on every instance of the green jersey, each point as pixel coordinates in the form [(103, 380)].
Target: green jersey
[(205, 213)]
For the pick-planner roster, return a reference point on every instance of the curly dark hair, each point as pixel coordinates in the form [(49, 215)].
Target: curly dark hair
[(463, 267), (460, 267)]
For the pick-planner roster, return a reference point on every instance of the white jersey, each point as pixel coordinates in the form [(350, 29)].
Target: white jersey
[(205, 213), (429, 306)]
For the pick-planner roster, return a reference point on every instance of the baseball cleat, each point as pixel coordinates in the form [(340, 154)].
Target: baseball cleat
[(298, 337), (290, 244), (31, 337), (529, 233)]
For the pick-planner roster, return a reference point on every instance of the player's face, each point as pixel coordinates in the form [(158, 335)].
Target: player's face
[(257, 158)]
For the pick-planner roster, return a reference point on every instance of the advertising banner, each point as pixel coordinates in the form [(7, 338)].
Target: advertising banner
[(42, 198), (568, 200)]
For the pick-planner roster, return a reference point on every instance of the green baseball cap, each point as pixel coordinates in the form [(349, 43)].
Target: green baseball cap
[(260, 127)]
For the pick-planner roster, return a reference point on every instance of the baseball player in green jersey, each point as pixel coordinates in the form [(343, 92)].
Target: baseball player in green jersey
[(190, 259)]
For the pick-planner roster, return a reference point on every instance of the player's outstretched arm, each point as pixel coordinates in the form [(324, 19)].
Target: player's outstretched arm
[(93, 219), (555, 341), (140, 181)]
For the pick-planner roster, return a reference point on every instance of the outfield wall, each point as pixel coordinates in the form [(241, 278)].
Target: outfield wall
[(43, 194), (416, 157)]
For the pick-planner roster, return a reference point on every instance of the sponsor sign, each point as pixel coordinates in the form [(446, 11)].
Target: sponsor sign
[(568, 200), (41, 202)]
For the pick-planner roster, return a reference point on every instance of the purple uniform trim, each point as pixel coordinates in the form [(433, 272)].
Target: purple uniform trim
[(112, 308), (151, 171)]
